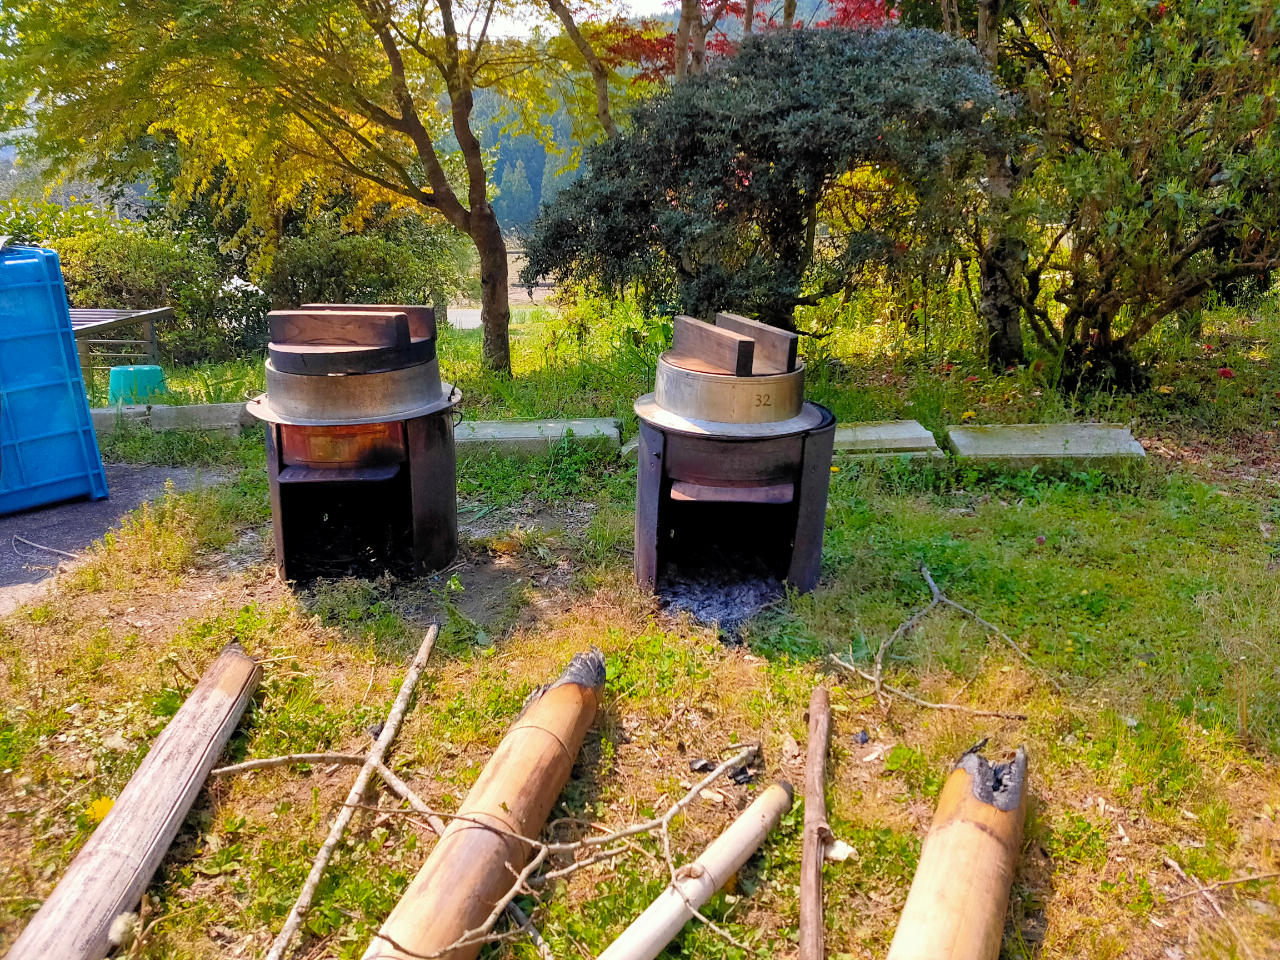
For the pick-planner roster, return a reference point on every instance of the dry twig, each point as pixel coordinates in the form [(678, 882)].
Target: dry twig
[(287, 761), (1213, 902), (876, 678), (392, 726), (1223, 883)]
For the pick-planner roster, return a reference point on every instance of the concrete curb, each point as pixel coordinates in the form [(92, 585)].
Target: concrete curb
[(535, 438), (1050, 446)]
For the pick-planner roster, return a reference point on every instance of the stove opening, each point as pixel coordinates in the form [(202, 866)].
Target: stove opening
[(716, 541), (353, 528)]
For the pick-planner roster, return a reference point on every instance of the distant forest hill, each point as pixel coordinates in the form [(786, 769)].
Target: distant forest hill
[(527, 176)]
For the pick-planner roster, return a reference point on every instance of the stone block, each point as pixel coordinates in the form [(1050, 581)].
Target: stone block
[(534, 438), (885, 439), (1050, 446), (109, 419), (214, 417)]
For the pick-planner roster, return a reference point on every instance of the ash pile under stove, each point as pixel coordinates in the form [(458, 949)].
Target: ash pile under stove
[(360, 450), (733, 464)]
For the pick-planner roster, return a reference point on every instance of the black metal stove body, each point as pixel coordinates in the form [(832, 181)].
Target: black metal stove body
[(733, 469), (360, 448)]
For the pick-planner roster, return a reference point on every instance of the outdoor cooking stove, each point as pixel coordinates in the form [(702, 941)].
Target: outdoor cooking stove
[(360, 451), (733, 464)]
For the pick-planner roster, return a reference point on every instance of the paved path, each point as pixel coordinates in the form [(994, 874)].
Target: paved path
[(73, 525)]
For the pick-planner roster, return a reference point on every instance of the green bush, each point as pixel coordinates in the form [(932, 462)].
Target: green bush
[(330, 267), (214, 319)]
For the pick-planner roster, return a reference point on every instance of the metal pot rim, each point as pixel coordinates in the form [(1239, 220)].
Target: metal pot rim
[(813, 416)]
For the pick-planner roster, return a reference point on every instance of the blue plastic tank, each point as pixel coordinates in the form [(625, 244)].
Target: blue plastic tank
[(48, 451)]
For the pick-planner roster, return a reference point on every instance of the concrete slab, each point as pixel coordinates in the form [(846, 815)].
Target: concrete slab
[(108, 419), (533, 438), (221, 417), (73, 525), (1105, 446), (885, 439)]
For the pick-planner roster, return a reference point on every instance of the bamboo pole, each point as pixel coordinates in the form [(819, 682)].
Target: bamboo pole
[(816, 831), (958, 899), (472, 873), (108, 876), (697, 882)]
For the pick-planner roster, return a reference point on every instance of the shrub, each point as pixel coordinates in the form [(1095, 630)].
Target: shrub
[(330, 267)]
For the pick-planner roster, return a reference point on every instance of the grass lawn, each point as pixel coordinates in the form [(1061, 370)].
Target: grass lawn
[(1150, 599)]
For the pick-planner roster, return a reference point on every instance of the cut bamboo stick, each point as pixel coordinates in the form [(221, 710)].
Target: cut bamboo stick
[(960, 894), (697, 882), (816, 831), (108, 876), (473, 868)]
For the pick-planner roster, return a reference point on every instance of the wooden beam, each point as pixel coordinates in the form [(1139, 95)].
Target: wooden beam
[(960, 893), (726, 351), (775, 348), (817, 834), (108, 876), (422, 320), (696, 883), (470, 867), (340, 328)]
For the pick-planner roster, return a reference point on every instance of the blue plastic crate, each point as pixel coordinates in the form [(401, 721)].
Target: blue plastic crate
[(48, 451)]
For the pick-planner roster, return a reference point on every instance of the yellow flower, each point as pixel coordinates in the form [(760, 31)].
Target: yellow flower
[(835, 469), (99, 809), (968, 415)]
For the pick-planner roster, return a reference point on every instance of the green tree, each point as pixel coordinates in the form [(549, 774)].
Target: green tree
[(1152, 172), (713, 199), (287, 97), (516, 204)]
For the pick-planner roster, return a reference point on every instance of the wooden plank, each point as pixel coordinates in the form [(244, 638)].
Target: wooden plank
[(775, 348), (702, 493), (422, 319), (86, 322), (108, 876), (730, 352), (321, 359), (338, 327)]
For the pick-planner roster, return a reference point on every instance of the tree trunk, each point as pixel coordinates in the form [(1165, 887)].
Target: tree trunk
[(1001, 265), (689, 12), (788, 14), (1000, 271), (495, 309), (598, 71), (748, 16)]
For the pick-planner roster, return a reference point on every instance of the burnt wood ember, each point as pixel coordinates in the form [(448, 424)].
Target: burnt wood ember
[(360, 450), (733, 472)]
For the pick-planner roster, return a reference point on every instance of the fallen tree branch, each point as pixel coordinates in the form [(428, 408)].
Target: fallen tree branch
[(287, 761), (1213, 902), (938, 598), (535, 936), (925, 703), (1223, 883), (389, 730)]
